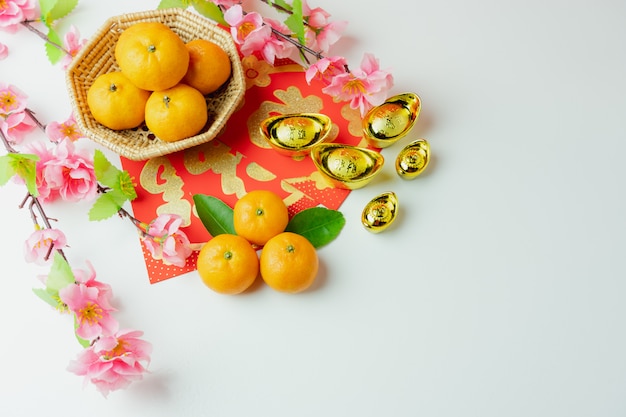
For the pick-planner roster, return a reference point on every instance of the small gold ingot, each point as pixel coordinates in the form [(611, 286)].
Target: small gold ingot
[(380, 212), (295, 134), (387, 123), (346, 166), (413, 159)]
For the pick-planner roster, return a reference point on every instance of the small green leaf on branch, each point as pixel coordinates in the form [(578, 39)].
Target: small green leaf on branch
[(22, 165), (53, 52), (216, 216), (60, 275), (167, 4), (107, 205), (318, 224), (280, 3), (295, 22), (210, 10), (46, 296), (117, 180), (56, 9)]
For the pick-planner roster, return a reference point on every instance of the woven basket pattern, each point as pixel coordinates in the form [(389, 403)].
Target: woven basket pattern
[(97, 57)]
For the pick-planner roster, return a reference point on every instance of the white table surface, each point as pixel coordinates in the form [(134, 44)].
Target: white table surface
[(499, 292)]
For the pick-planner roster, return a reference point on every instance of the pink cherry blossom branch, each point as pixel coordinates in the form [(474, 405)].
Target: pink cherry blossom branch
[(34, 204), (28, 25)]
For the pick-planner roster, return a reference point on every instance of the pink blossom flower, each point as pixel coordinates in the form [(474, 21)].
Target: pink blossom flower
[(47, 192), (326, 69), (71, 172), (4, 51), (12, 99), (328, 35), (72, 44), (92, 310), (16, 125), (241, 26), (39, 245), (253, 35), (67, 129), (321, 34), (88, 278), (165, 240), (13, 12), (364, 87), (113, 362), (277, 47)]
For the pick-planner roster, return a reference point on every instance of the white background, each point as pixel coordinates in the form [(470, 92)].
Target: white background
[(498, 292)]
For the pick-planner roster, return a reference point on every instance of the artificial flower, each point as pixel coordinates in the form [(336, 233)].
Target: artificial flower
[(88, 278), (16, 125), (326, 69), (46, 191), (242, 25), (13, 12), (321, 34), (12, 99), (113, 362), (71, 172), (72, 44), (250, 32), (364, 87), (4, 51), (67, 129), (92, 310), (39, 245), (164, 240)]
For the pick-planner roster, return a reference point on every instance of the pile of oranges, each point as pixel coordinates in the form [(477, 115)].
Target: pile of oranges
[(161, 81), (229, 264)]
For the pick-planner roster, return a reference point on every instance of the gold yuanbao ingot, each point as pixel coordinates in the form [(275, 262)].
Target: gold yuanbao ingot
[(346, 166), (295, 134), (380, 212), (385, 124), (413, 159)]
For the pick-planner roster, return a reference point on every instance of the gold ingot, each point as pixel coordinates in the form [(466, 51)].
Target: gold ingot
[(295, 134), (387, 123), (346, 166), (380, 212), (413, 159)]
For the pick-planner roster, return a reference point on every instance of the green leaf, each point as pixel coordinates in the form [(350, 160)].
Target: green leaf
[(106, 172), (25, 167), (280, 3), (318, 224), (295, 22), (60, 275), (22, 165), (114, 178), (45, 7), (54, 53), (167, 4), (46, 296), (107, 205), (210, 10), (59, 10), (6, 169), (216, 216)]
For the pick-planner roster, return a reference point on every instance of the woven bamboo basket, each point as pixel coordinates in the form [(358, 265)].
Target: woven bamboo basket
[(97, 57)]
